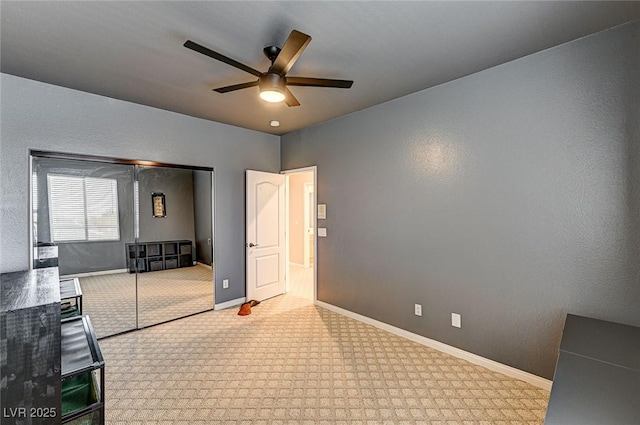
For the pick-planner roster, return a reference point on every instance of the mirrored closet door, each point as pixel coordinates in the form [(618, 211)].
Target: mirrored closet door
[(137, 239), (175, 281)]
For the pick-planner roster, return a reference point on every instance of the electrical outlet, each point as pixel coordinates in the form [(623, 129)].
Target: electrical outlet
[(225, 284), (418, 310), (455, 320)]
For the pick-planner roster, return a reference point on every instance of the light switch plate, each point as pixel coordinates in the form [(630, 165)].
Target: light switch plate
[(322, 232), (322, 211)]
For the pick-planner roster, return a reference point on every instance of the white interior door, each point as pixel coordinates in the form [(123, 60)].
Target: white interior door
[(266, 237)]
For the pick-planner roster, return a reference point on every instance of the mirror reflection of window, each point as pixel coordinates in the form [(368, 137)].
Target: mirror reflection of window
[(83, 208), (34, 204)]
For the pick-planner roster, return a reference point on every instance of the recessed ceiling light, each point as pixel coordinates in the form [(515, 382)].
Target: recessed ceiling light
[(274, 123)]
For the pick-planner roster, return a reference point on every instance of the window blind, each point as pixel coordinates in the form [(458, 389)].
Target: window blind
[(83, 208)]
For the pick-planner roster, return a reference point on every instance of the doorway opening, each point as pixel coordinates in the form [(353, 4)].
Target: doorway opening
[(301, 233)]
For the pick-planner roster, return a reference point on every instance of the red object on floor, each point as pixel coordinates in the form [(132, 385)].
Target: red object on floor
[(245, 309)]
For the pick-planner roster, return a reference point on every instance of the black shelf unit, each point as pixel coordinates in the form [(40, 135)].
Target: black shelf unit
[(159, 255), (70, 298), (82, 372)]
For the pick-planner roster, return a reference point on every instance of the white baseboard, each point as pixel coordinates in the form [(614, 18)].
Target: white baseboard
[(198, 263), (229, 304), (532, 379), (100, 273)]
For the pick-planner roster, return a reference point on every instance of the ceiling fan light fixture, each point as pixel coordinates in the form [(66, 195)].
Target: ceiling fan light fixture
[(271, 95), (272, 88)]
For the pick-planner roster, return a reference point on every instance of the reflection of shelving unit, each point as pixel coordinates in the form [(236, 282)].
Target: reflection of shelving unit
[(185, 259), (136, 258), (82, 372), (160, 255), (70, 298), (171, 255), (155, 261)]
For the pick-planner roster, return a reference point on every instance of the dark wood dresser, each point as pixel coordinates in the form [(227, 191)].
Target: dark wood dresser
[(30, 362), (597, 378)]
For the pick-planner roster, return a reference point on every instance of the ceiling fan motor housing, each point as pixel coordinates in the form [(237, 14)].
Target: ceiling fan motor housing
[(271, 81)]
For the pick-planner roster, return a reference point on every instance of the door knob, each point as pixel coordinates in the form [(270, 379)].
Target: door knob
[(251, 244)]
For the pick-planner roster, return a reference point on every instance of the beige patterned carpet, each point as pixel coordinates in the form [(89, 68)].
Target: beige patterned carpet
[(168, 294), (293, 363), (110, 300)]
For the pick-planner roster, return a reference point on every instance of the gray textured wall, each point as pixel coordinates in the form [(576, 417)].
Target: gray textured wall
[(509, 196), (202, 190), (177, 186), (41, 116)]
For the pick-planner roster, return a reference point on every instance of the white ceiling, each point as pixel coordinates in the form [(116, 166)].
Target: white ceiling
[(133, 50)]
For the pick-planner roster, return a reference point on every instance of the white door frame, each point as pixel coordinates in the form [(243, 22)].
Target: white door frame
[(309, 189), (314, 170)]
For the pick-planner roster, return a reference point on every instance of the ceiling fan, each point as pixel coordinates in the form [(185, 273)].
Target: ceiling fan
[(274, 83)]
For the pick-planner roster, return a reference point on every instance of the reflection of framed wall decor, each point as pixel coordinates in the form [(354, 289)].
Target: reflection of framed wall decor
[(158, 204)]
